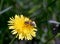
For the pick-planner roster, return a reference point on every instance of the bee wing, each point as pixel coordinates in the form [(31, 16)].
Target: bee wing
[(34, 24)]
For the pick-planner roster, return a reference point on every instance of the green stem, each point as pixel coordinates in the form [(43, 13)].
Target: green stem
[(12, 40), (1, 4), (50, 39)]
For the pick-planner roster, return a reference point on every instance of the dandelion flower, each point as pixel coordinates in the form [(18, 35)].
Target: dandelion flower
[(23, 27)]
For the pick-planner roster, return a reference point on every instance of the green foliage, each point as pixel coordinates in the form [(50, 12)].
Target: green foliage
[(39, 10)]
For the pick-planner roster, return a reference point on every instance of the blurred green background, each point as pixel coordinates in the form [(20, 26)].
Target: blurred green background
[(41, 11)]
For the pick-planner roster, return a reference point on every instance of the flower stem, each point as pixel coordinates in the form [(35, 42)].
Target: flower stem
[(50, 39), (12, 40)]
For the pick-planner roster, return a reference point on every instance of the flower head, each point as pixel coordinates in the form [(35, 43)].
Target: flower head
[(23, 27)]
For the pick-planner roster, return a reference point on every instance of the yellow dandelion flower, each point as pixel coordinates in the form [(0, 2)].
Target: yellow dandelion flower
[(23, 27)]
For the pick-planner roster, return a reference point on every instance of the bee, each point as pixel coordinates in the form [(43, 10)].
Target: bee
[(32, 23)]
